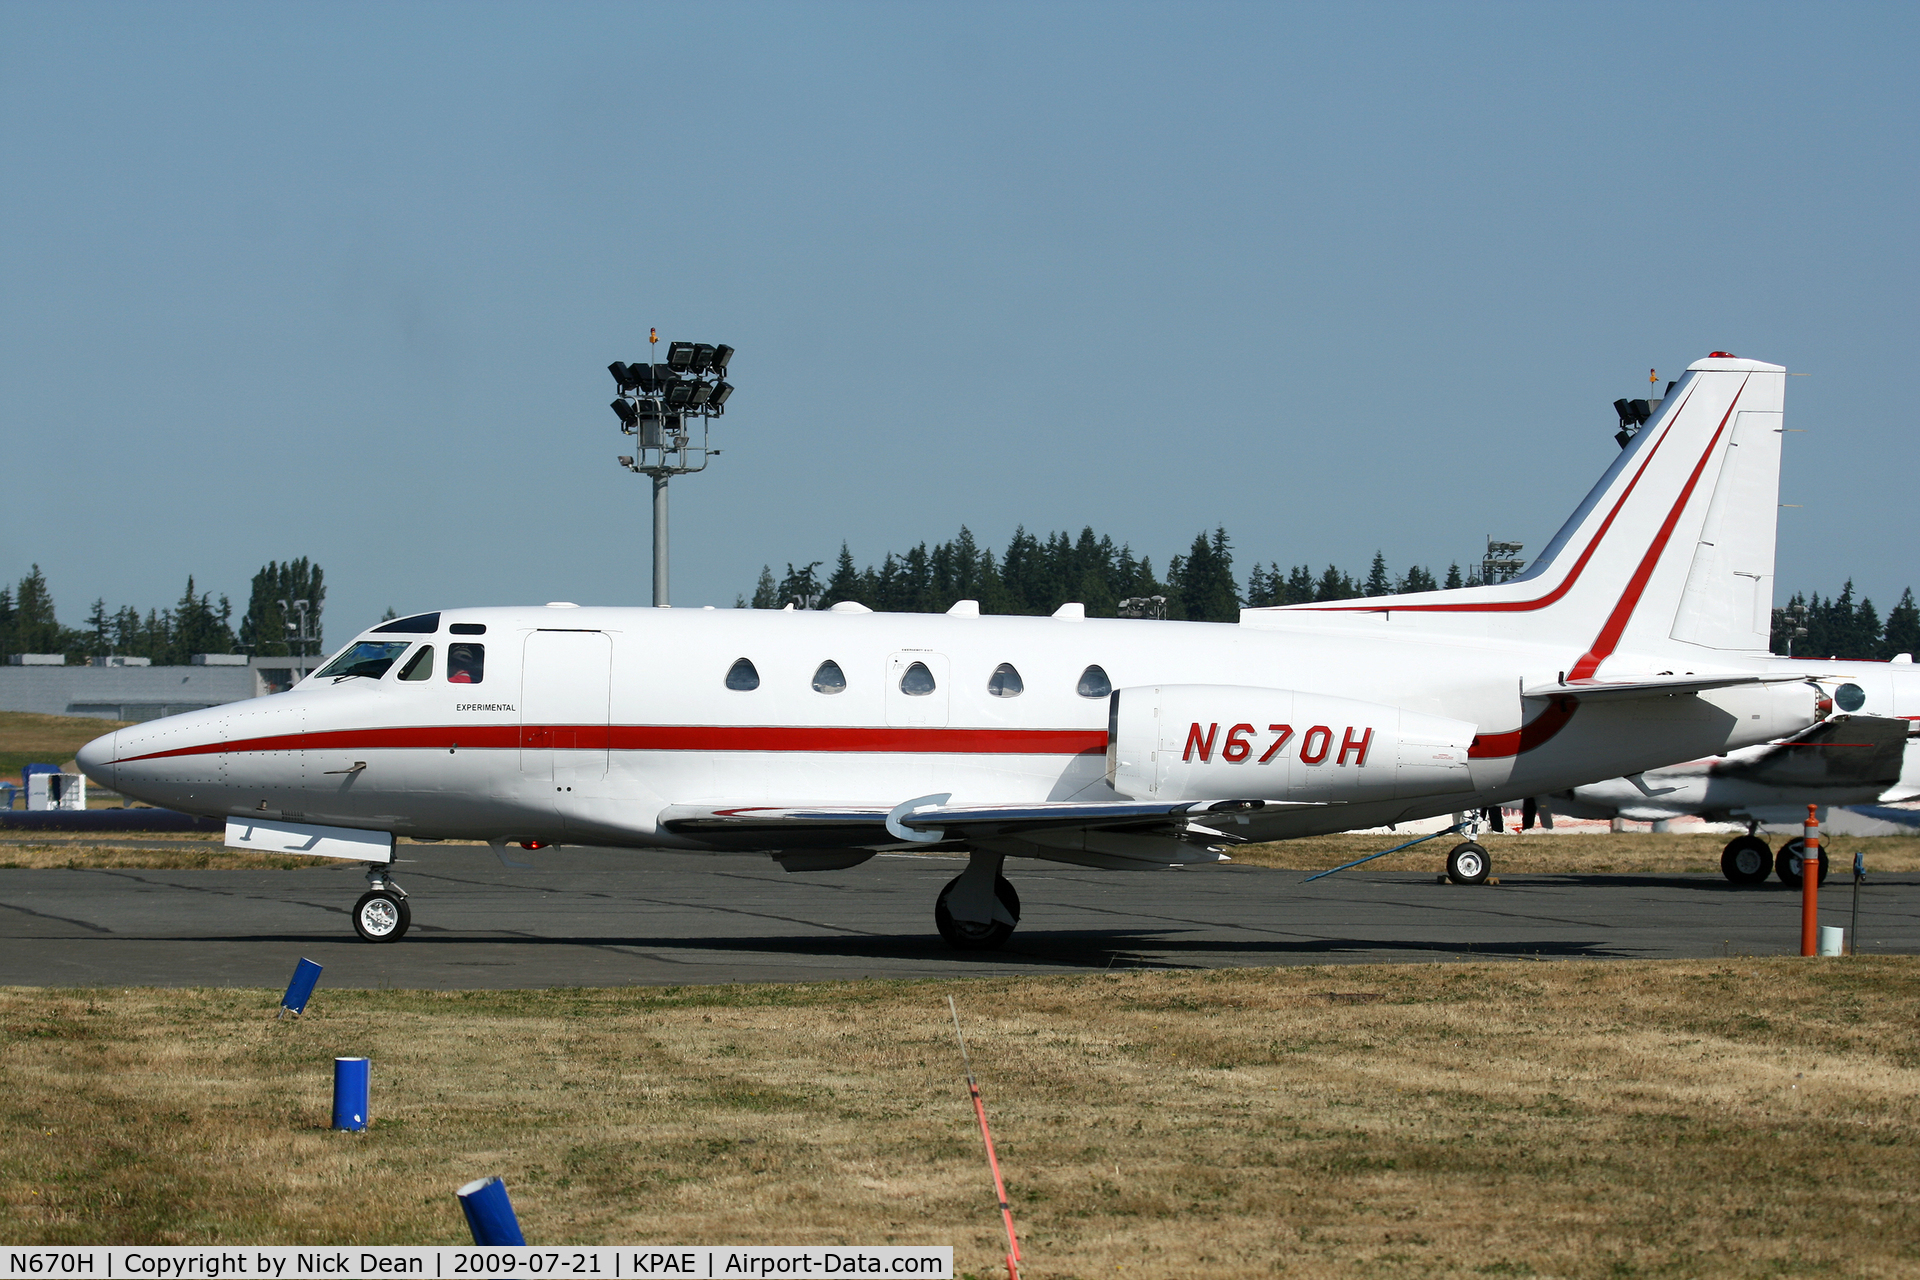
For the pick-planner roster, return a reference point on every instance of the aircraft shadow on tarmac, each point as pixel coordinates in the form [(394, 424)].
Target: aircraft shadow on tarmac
[(1087, 948)]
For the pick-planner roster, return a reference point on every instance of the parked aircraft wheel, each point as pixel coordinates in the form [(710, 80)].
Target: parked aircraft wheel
[(971, 935), (1787, 863), (381, 916), (1746, 860), (1469, 864)]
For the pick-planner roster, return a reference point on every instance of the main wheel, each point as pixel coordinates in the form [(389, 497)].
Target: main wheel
[(972, 935), (381, 916), (1746, 860), (1792, 855), (1469, 864)]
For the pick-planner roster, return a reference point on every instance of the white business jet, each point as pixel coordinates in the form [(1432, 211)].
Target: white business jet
[(1636, 640)]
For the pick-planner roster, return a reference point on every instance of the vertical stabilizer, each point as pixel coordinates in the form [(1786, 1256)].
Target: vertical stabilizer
[(1673, 547), (1728, 599)]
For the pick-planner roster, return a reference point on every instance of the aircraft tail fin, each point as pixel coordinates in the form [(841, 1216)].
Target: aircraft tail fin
[(1671, 551)]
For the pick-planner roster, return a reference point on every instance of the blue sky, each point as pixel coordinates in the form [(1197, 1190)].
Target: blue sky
[(342, 281)]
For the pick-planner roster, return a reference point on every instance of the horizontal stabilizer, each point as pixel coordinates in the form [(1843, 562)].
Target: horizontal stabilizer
[(1649, 687)]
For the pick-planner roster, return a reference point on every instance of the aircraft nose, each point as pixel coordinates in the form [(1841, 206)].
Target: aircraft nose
[(97, 757)]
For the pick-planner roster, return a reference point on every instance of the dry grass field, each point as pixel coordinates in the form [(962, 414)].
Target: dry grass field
[(1635, 853), (196, 851), (26, 738), (1699, 1118), (1541, 853)]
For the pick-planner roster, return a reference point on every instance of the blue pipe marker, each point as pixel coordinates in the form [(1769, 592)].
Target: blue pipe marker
[(306, 975), (350, 1093), (489, 1212)]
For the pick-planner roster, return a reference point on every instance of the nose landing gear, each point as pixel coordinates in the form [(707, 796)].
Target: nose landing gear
[(382, 914)]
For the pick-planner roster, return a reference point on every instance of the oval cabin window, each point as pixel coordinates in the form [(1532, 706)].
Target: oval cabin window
[(1094, 683), (742, 677), (829, 678), (917, 682), (1005, 682)]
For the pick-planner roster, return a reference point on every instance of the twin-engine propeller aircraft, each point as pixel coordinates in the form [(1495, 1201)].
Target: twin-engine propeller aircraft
[(1866, 755), (1637, 639)]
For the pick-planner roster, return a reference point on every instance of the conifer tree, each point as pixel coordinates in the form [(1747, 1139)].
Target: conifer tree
[(765, 594), (1334, 585), (35, 629), (1379, 581), (1902, 633)]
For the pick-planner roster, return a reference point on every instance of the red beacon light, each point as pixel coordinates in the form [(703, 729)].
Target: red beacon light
[(1721, 355)]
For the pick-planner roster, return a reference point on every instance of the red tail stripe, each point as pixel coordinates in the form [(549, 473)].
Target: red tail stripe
[(1603, 644), (669, 737)]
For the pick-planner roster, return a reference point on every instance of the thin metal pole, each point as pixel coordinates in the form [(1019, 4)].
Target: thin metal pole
[(993, 1161), (659, 541), (1853, 927), (1810, 884)]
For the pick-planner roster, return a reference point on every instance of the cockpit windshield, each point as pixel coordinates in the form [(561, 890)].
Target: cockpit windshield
[(369, 658)]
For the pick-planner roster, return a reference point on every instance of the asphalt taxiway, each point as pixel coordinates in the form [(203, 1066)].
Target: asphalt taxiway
[(584, 917)]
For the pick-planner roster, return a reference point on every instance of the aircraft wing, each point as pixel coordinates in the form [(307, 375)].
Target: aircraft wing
[(928, 820), (1648, 686)]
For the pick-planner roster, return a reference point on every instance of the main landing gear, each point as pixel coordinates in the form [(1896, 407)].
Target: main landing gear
[(978, 909), (1747, 859), (1469, 863), (382, 914)]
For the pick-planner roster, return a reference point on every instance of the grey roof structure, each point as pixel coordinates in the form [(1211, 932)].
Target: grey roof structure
[(143, 693)]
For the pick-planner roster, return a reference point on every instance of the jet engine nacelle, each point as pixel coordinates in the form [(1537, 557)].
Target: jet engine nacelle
[(1217, 742)]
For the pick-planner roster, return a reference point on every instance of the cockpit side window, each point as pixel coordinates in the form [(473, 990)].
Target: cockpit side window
[(369, 658), (741, 676), (466, 663), (420, 665)]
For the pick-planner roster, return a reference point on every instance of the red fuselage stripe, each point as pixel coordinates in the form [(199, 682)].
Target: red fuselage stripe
[(667, 737), (1536, 732), (509, 737)]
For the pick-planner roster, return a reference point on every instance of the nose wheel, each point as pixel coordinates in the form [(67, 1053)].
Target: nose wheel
[(1468, 863), (382, 914)]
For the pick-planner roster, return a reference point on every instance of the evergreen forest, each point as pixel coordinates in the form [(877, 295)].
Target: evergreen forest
[(170, 637), (1036, 574)]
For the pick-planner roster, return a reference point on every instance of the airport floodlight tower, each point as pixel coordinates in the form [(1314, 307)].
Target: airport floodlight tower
[(655, 405), (1502, 561)]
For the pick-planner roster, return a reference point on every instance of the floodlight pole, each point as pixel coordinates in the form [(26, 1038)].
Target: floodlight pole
[(659, 540), (655, 407)]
